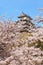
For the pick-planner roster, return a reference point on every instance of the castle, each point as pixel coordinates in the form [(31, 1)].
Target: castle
[(26, 22)]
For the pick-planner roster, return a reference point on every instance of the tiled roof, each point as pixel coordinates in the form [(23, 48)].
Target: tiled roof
[(23, 15)]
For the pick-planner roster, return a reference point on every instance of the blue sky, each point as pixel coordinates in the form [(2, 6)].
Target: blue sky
[(13, 8)]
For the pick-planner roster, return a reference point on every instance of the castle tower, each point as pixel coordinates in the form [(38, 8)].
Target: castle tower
[(26, 22)]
